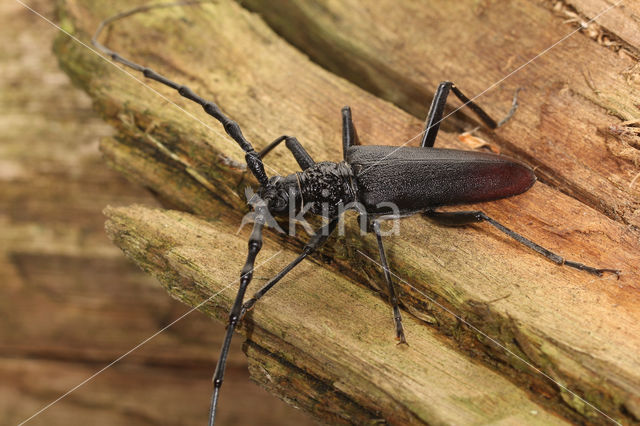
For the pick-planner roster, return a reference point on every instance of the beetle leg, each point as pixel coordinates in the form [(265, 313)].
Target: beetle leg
[(468, 217), (393, 298), (299, 153), (434, 117), (255, 244), (239, 309), (349, 134), (316, 241)]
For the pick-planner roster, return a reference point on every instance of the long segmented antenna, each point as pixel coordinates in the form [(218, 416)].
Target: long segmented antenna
[(231, 127), (254, 163), (255, 244)]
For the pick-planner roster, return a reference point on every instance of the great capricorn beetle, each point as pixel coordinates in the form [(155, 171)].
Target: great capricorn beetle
[(414, 179)]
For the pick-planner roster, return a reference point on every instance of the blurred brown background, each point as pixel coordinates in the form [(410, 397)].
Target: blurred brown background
[(70, 303)]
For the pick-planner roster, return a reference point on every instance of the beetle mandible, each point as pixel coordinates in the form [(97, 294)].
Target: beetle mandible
[(415, 179)]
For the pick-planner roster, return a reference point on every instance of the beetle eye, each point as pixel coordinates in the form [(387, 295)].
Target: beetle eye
[(280, 203)]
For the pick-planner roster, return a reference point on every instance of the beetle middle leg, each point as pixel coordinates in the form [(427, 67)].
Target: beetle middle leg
[(469, 217), (436, 111), (349, 134), (393, 298)]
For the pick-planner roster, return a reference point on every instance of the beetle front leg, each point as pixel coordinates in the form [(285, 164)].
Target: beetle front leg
[(469, 217), (316, 241), (393, 298), (254, 246), (301, 155)]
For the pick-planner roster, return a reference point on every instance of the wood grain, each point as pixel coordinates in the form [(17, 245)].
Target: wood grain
[(575, 85), (578, 329)]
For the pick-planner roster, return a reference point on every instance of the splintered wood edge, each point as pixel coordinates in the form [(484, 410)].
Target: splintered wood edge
[(359, 374)]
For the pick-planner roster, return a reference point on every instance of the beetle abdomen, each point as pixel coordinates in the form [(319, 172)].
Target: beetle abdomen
[(416, 179)]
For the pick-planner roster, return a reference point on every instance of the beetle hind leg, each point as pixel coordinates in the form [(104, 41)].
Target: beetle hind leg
[(436, 111), (462, 218)]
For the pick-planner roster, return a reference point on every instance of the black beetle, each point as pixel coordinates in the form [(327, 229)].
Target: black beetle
[(371, 178)]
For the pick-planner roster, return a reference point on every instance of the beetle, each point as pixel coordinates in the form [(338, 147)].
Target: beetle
[(412, 179)]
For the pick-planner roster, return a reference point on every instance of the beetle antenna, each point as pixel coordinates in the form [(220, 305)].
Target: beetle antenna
[(255, 244), (254, 163)]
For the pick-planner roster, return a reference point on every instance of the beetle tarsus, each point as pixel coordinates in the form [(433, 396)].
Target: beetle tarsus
[(469, 217), (514, 107), (595, 271), (400, 337), (393, 298)]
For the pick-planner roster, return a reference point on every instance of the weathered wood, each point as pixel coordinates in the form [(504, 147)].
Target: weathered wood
[(343, 368), (580, 330), (70, 303), (402, 50), (618, 28)]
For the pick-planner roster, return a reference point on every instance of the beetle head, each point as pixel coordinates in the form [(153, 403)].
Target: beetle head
[(282, 195)]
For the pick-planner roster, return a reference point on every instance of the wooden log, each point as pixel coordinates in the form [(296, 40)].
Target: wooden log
[(327, 349), (579, 330), (131, 393)]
